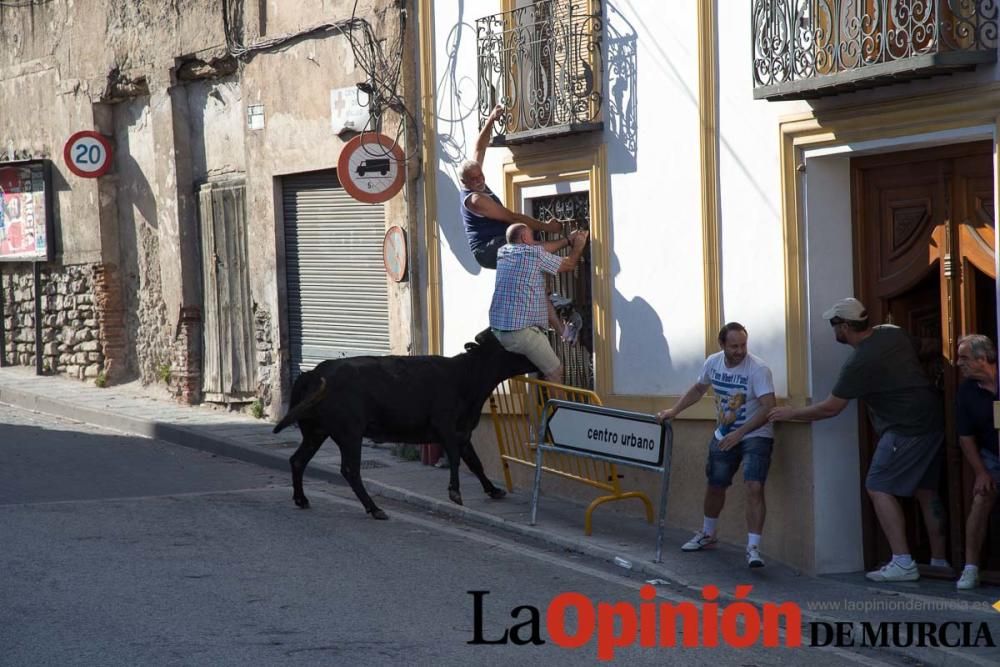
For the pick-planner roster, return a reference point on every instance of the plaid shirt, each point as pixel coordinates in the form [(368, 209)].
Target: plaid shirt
[(519, 296)]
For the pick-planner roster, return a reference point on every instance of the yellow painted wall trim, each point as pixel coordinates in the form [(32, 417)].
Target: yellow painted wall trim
[(845, 124), (430, 246), (583, 162), (708, 113)]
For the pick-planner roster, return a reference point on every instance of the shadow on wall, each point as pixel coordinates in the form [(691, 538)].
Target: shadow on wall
[(643, 352), (450, 221), (137, 220), (621, 84), (457, 99)]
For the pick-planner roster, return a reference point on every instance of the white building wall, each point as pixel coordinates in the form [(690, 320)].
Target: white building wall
[(655, 200), (653, 182), (829, 278), (753, 265), (466, 288)]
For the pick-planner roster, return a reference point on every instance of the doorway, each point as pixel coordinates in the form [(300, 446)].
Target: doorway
[(924, 240)]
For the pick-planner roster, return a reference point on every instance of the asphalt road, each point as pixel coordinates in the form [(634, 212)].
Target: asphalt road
[(124, 551)]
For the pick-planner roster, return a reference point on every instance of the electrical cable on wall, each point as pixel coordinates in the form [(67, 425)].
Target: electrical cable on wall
[(382, 72)]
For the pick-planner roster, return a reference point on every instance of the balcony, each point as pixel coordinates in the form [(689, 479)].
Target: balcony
[(811, 48), (543, 63)]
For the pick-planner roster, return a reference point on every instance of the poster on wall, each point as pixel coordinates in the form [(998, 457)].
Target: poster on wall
[(24, 211)]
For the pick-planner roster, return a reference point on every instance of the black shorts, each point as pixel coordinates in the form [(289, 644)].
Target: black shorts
[(486, 254)]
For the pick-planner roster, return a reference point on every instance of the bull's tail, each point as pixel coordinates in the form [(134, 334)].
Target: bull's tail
[(311, 389)]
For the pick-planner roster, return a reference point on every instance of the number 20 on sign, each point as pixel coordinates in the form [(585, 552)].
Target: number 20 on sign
[(88, 154)]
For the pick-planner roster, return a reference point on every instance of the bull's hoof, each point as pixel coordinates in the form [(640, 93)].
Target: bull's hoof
[(496, 494), (379, 514), (302, 503), (455, 497)]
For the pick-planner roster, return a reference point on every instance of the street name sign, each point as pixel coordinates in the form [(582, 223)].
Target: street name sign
[(633, 437)]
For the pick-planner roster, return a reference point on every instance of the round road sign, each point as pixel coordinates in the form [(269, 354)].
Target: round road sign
[(371, 168), (88, 154), (394, 253)]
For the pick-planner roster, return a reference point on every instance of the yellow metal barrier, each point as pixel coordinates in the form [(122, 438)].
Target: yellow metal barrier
[(516, 408)]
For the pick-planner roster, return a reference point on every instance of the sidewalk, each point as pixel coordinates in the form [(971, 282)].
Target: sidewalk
[(560, 522)]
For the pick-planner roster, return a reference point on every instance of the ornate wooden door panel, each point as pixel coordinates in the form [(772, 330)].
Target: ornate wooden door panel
[(908, 204), (924, 239)]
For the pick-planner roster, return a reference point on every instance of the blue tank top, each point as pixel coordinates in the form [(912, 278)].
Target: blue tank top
[(479, 228)]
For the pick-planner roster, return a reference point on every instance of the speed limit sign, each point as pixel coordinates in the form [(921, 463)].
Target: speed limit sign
[(88, 154)]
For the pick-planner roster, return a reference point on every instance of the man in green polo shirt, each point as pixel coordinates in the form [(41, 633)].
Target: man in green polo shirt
[(906, 412)]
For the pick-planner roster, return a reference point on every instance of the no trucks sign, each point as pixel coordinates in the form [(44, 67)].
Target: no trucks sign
[(371, 168)]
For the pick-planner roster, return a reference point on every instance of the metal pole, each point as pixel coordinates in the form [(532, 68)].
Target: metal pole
[(38, 318), (668, 448), (3, 324), (537, 486)]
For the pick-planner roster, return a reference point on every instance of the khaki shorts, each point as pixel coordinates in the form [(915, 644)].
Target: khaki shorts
[(533, 344)]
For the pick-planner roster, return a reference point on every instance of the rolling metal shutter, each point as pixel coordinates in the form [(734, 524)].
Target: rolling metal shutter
[(338, 303)]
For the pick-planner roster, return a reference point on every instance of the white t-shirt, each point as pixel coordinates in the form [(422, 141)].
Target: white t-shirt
[(737, 392)]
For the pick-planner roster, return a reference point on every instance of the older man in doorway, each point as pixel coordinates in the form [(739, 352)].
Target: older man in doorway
[(905, 409), (977, 436)]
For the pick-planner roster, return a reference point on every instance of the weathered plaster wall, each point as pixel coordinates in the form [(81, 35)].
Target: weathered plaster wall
[(215, 111), (294, 85), (154, 75), (106, 65), (146, 311)]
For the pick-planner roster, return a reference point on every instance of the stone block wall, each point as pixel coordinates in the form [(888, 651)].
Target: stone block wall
[(266, 369), (185, 364), (71, 335)]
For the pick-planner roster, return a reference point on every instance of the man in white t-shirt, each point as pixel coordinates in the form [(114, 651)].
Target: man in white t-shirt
[(744, 394)]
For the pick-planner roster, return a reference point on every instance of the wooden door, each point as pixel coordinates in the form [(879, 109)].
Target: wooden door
[(229, 346), (924, 239)]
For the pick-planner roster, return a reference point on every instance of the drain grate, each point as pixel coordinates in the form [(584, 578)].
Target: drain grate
[(369, 465)]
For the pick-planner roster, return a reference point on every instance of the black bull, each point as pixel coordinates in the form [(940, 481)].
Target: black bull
[(398, 399)]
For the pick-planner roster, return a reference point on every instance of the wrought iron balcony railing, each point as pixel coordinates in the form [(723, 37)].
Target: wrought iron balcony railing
[(543, 63), (810, 48)]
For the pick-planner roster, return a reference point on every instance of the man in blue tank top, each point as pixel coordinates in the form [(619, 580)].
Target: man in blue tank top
[(485, 217)]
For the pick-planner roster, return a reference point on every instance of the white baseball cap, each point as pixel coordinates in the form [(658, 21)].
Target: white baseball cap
[(849, 309)]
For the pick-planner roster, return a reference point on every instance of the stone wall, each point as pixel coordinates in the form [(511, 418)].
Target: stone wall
[(185, 364), (266, 367), (71, 336)]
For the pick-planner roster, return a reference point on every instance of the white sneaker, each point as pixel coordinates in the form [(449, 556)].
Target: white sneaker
[(893, 571), (968, 580), (753, 557), (699, 541)]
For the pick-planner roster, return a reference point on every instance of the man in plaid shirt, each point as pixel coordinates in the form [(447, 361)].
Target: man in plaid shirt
[(519, 311)]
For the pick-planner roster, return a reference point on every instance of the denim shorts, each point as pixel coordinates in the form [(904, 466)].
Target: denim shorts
[(755, 453), (992, 463)]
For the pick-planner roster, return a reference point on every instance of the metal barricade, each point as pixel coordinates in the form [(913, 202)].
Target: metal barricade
[(518, 407)]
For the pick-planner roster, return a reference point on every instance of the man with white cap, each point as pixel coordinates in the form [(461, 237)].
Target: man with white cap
[(906, 411)]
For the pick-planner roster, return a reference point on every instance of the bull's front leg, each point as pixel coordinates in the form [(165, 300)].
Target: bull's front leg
[(476, 466), (312, 439)]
